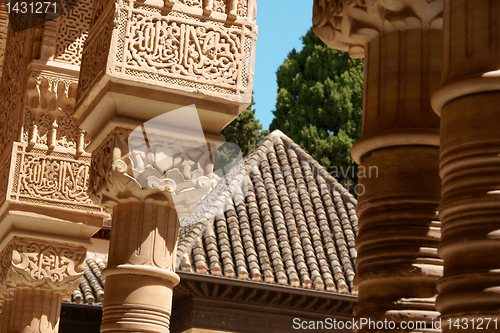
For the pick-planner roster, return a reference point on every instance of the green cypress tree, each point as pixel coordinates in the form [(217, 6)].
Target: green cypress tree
[(319, 104), (242, 135)]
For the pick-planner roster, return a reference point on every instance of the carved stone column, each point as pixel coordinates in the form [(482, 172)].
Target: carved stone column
[(46, 215), (35, 276), (397, 265), (470, 166), (159, 81)]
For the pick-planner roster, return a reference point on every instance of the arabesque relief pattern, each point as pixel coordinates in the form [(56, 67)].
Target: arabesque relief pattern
[(44, 165), (188, 49), (49, 178), (72, 33), (176, 49), (182, 50), (119, 173), (35, 275), (48, 116), (36, 264), (12, 85), (50, 163)]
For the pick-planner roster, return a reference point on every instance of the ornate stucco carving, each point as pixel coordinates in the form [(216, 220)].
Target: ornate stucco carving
[(4, 23), (12, 85), (348, 25), (50, 179), (187, 48), (121, 172), (49, 166), (48, 116), (30, 263), (72, 32)]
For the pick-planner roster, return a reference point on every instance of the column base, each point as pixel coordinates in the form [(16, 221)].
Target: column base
[(137, 303)]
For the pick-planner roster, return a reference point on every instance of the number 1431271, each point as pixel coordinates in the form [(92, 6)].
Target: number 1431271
[(31, 7)]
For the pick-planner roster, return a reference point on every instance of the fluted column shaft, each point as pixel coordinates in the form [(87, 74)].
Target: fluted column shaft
[(469, 292), (32, 310), (140, 274), (399, 231)]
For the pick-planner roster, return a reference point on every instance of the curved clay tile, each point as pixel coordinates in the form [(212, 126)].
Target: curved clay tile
[(268, 227), (276, 217), (236, 242), (200, 258), (306, 237), (247, 237), (289, 190), (260, 240), (212, 250), (225, 246)]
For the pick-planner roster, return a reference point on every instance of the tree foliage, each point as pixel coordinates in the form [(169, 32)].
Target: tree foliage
[(319, 104), (242, 135)]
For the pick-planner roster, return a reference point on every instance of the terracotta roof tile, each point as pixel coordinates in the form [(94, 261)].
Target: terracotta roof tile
[(293, 223), (91, 289), (276, 217)]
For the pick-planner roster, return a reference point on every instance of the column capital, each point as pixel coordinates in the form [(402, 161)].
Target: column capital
[(33, 263), (347, 25), (163, 170)]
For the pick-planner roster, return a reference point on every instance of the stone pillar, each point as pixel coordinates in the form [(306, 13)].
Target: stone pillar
[(36, 276), (470, 166), (146, 205), (159, 81), (399, 231), (46, 215), (141, 286)]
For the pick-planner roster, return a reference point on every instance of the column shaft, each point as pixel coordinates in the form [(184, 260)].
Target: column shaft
[(399, 231), (140, 275), (32, 311), (469, 292)]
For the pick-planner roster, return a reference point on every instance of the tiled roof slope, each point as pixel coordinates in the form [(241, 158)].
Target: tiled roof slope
[(295, 226), (91, 289)]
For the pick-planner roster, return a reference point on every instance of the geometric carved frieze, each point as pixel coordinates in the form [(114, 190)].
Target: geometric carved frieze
[(50, 178), (72, 32), (177, 48), (30, 263), (347, 25)]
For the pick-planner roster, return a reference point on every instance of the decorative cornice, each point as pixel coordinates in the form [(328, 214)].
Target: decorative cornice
[(245, 293), (347, 25)]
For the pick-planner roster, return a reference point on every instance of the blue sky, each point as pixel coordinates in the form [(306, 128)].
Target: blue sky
[(281, 24)]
